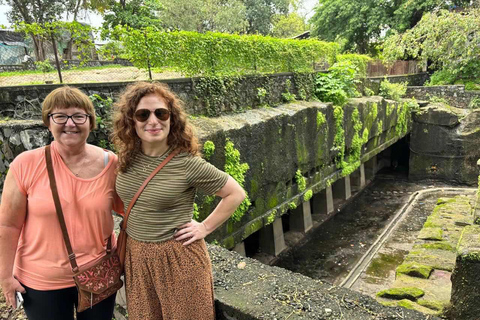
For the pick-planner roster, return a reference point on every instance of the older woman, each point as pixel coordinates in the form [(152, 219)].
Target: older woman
[(167, 269), (32, 250)]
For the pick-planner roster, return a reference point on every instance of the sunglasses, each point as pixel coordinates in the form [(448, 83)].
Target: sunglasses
[(142, 115)]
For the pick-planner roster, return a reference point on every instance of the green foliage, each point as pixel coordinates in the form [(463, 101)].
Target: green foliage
[(196, 213), (260, 14), (368, 92), (111, 50), (44, 66), (300, 179), (237, 171), (474, 103), (339, 139), (202, 16), (287, 26), (292, 205), (103, 110), (137, 14), (321, 119), (287, 95), (393, 91), (271, 218), (208, 149), (261, 95), (339, 84), (355, 21), (308, 195), (450, 40), (193, 53), (79, 34), (360, 61)]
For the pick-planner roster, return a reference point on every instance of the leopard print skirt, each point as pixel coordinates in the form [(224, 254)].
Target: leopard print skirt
[(168, 281)]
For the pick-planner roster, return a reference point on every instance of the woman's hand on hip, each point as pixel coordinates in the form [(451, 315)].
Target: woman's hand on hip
[(192, 231), (9, 286)]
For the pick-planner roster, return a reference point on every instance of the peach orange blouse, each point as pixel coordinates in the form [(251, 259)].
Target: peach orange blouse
[(41, 261)]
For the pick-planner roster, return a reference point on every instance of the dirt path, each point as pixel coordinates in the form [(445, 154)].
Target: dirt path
[(83, 76)]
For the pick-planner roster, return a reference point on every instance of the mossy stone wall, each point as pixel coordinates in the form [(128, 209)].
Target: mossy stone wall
[(444, 144)]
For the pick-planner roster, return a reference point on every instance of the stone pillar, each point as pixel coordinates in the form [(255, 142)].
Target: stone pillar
[(342, 189), (240, 249), (271, 238), (322, 202), (371, 168), (362, 176), (301, 218), (465, 280)]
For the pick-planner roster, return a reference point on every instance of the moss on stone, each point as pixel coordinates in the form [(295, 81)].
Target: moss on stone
[(383, 264), (308, 195), (431, 304), (410, 293), (442, 245), (407, 304), (414, 269), (292, 205), (252, 227), (431, 234), (445, 200)]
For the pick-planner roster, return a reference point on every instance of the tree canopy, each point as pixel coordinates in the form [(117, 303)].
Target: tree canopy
[(450, 40), (363, 22)]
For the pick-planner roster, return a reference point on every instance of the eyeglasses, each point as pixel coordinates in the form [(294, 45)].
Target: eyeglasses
[(142, 115), (61, 118)]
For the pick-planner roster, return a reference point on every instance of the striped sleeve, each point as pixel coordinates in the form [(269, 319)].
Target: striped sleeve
[(203, 175)]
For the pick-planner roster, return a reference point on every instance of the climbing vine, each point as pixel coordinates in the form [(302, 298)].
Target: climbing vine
[(300, 179), (237, 170), (208, 149), (339, 139), (308, 195), (321, 119)]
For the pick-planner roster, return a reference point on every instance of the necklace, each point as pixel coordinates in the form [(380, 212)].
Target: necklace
[(82, 165), (146, 167)]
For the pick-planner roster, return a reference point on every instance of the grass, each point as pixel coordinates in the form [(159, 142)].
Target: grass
[(27, 72)]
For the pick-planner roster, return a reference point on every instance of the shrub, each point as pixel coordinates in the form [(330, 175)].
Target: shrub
[(339, 84), (44, 66), (393, 91)]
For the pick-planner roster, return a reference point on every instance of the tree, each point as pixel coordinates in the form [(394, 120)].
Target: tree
[(287, 26), (201, 16), (358, 22), (40, 12), (260, 14), (137, 14), (361, 22), (450, 40)]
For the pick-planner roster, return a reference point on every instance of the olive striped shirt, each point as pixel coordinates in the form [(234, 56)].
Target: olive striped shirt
[(167, 201)]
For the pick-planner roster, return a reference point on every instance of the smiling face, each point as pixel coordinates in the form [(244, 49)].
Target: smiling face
[(153, 132), (70, 134)]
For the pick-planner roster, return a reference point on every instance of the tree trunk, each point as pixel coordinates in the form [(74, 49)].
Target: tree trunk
[(39, 50)]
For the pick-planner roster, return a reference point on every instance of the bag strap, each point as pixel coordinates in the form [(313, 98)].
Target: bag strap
[(123, 226), (58, 207)]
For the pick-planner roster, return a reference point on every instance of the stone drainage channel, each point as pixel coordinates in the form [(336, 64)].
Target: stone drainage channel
[(361, 246)]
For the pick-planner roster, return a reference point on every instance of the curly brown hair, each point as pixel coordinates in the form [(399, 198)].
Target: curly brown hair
[(125, 138)]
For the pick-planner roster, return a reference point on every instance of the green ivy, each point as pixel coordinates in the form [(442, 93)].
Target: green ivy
[(208, 149), (211, 53), (292, 205), (300, 179), (339, 84), (287, 95), (271, 218), (196, 213), (308, 195), (237, 171), (339, 139), (393, 91), (321, 119), (360, 61)]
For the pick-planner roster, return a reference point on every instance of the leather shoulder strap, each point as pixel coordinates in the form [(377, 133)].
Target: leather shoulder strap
[(58, 207), (140, 190)]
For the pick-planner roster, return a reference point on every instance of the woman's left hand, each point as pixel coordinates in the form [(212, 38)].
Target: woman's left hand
[(192, 231)]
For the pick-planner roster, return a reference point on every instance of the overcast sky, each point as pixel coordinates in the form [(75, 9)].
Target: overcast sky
[(95, 20)]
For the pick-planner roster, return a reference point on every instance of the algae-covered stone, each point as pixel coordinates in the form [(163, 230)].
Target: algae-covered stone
[(415, 270), (430, 304), (437, 259), (410, 293), (431, 234), (440, 245)]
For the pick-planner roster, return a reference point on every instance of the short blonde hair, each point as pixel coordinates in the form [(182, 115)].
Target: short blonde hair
[(68, 97)]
